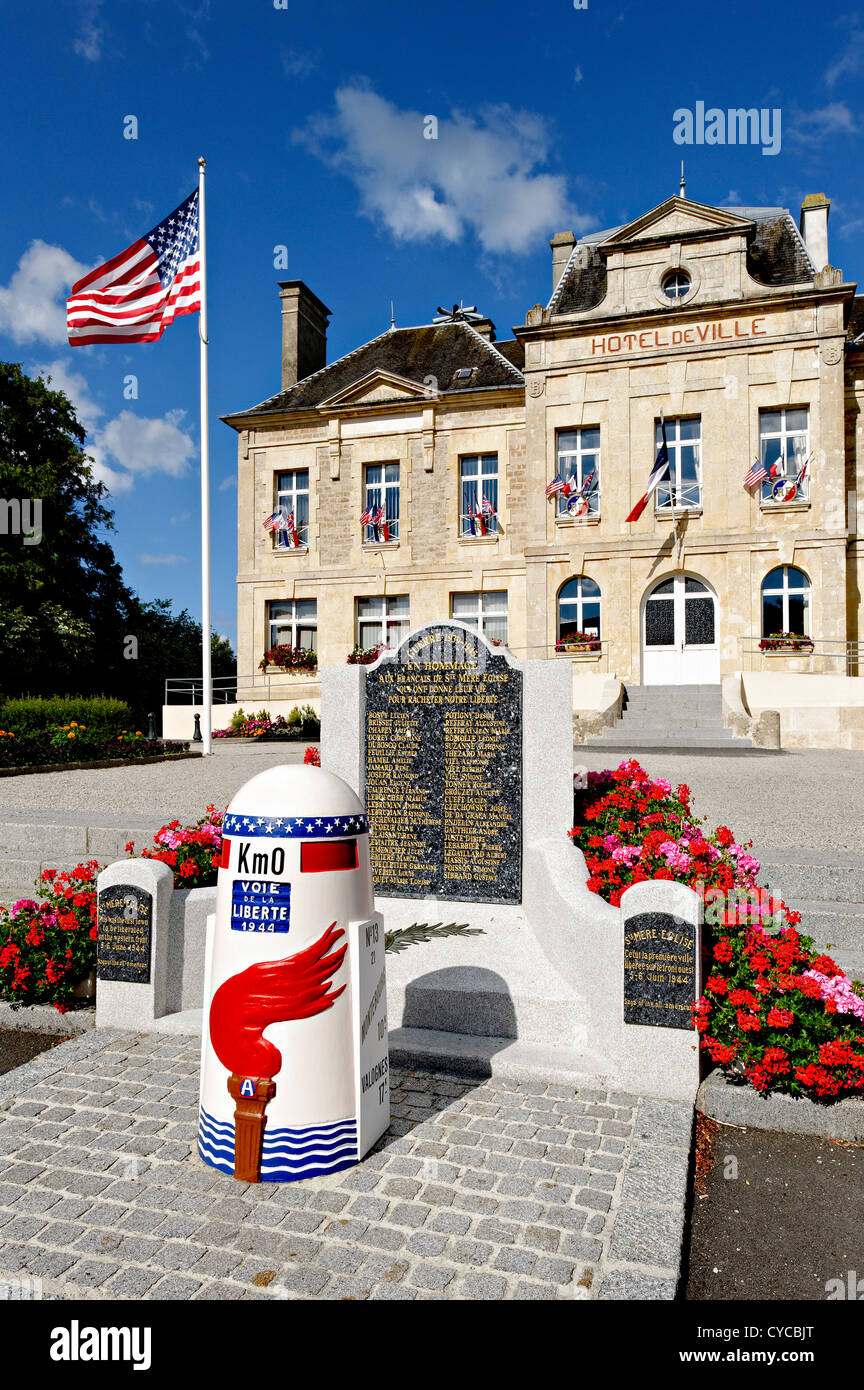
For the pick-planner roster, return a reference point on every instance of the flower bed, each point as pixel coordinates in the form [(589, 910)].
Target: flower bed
[(774, 1011), (300, 723), (192, 851), (70, 746), (48, 947)]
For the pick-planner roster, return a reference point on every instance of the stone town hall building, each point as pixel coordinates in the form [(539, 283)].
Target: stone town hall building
[(727, 323)]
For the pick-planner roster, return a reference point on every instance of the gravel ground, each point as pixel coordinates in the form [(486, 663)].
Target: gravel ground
[(783, 1215), (133, 795), (812, 799)]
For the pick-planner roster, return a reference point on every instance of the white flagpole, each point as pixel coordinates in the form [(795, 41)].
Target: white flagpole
[(207, 684)]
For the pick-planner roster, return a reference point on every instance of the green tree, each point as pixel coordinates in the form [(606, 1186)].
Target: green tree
[(55, 596), (65, 612)]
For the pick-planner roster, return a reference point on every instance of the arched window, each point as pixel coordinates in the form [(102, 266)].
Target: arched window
[(786, 601), (579, 608)]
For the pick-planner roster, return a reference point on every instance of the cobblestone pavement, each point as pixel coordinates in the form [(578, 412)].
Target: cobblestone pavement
[(481, 1190)]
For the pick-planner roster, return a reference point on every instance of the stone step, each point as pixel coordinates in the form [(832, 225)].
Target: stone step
[(626, 729), (622, 743), (692, 723), (814, 875)]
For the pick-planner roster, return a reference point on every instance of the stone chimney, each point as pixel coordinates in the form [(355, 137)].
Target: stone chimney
[(485, 327), (814, 227), (562, 244), (304, 332)]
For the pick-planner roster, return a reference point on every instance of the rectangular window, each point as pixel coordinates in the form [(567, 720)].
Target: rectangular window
[(486, 612), (683, 489), (292, 499), (784, 448), (381, 619), (382, 490), (293, 623), (478, 495), (578, 454)]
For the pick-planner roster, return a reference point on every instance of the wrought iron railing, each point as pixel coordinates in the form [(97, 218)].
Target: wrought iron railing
[(189, 690), (819, 657), (687, 496)]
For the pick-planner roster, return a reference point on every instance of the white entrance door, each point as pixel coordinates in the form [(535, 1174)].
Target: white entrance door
[(679, 634)]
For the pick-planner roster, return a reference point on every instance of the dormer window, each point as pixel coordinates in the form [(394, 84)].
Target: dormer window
[(676, 285), (462, 375)]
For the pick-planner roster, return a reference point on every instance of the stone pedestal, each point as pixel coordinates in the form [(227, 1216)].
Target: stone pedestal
[(134, 915)]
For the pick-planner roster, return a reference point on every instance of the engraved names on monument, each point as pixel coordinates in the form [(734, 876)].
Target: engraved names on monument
[(659, 970), (124, 936), (444, 769)]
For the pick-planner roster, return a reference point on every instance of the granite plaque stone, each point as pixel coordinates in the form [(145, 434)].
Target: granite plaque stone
[(124, 935), (659, 970), (443, 769)]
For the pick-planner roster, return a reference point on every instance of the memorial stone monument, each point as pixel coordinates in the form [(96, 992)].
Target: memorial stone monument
[(464, 756), (443, 760)]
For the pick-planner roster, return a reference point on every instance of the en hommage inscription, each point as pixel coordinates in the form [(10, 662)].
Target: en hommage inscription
[(444, 769), (124, 934), (659, 970)]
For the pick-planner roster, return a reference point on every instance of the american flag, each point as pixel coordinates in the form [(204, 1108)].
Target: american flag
[(556, 485), (134, 297), (273, 522), (755, 473), (366, 516)]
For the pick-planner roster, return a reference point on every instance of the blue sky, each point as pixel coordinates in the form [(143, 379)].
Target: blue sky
[(311, 120)]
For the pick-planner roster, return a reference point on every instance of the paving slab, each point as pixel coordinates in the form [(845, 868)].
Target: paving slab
[(489, 1189)]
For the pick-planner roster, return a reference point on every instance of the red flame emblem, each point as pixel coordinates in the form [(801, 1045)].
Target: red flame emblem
[(272, 991)]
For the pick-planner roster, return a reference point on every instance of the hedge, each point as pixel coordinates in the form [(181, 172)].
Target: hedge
[(35, 718)]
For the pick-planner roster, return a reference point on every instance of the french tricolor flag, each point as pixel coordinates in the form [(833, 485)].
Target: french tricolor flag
[(659, 473)]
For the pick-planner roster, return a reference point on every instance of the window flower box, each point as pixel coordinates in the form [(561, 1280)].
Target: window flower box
[(579, 644), (785, 642), (365, 656), (290, 661)]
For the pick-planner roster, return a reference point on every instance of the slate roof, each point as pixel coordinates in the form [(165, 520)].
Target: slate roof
[(776, 255), (855, 331), (430, 350)]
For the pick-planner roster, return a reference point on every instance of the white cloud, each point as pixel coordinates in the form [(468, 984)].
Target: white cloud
[(298, 64), (141, 446), (481, 173), (148, 559), (849, 60), (127, 445), (29, 311), (88, 44), (228, 483), (64, 378), (814, 127)]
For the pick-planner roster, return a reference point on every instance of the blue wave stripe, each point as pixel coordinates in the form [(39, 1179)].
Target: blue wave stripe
[(309, 1141), (223, 1164), (293, 1174), (217, 1131), (348, 1125), (314, 1151), (288, 1154)]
